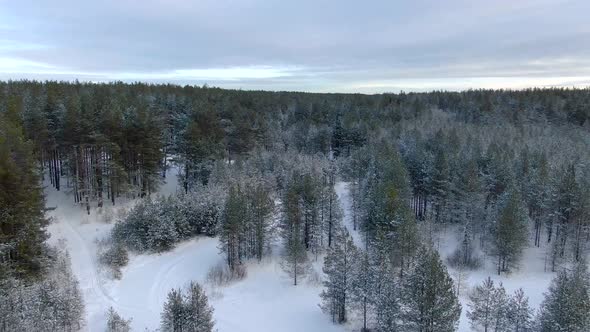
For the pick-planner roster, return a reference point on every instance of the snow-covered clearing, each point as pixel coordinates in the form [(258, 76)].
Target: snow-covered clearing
[(265, 300)]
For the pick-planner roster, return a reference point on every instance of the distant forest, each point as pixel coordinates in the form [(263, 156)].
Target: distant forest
[(508, 168)]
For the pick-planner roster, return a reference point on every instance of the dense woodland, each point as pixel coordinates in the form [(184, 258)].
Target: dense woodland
[(505, 169)]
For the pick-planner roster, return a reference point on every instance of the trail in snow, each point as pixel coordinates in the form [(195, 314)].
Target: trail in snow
[(265, 300), (343, 192)]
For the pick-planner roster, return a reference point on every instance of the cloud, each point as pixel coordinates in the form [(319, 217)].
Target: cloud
[(320, 45)]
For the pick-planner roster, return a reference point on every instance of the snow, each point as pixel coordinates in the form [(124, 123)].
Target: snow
[(343, 193), (531, 275), (265, 300)]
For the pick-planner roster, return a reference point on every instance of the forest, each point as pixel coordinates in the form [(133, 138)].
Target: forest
[(503, 170)]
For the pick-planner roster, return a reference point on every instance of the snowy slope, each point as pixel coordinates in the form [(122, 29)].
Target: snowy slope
[(265, 301)]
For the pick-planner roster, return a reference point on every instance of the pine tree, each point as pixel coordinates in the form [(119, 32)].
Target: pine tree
[(187, 311), (22, 217), (481, 306), (116, 323), (363, 284), (428, 301), (440, 188), (567, 302), (510, 233), (174, 317), (387, 298), (292, 231), (199, 314), (232, 227), (520, 313), (260, 207), (489, 308), (338, 267)]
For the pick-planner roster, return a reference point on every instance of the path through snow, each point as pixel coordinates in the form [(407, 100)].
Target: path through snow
[(265, 300)]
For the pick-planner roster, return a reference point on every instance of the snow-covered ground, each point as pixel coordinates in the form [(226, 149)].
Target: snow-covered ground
[(531, 275), (265, 300)]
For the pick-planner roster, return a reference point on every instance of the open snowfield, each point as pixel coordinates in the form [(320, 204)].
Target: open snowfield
[(265, 300)]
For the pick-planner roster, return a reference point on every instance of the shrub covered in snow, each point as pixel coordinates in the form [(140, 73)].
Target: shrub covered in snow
[(221, 274), (187, 311), (158, 224), (115, 257), (116, 323)]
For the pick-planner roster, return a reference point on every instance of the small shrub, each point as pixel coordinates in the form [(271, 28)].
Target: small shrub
[(458, 259), (221, 274), (116, 323), (314, 278), (115, 257)]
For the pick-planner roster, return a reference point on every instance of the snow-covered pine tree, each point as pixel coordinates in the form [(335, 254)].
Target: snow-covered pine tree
[(440, 186), (174, 314), (510, 232), (292, 231), (231, 232), (338, 267), (481, 306), (428, 301), (116, 323), (519, 312), (199, 314), (488, 307), (567, 302), (501, 310), (260, 207), (387, 298), (363, 283)]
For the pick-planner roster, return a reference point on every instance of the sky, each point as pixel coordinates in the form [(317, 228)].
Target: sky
[(365, 46)]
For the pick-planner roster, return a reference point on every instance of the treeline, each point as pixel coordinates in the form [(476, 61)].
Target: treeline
[(102, 141), (504, 168)]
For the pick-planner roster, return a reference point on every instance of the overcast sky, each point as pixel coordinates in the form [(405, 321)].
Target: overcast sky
[(306, 45)]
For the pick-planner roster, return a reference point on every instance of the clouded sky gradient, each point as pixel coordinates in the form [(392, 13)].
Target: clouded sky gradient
[(306, 45)]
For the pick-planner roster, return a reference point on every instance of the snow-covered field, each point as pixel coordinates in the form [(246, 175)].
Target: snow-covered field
[(265, 300)]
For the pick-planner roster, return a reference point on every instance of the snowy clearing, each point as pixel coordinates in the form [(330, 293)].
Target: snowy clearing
[(267, 295), (265, 300)]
